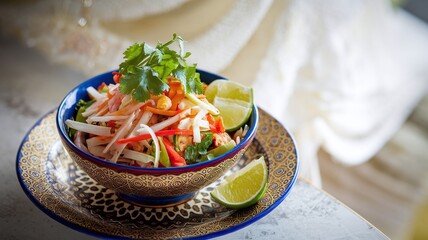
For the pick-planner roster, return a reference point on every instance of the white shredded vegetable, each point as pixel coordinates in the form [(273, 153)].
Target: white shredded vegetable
[(125, 101), (185, 103), (93, 108), (138, 156), (98, 151), (89, 128), (121, 132), (205, 105), (143, 120), (156, 142), (166, 123), (96, 141), (93, 93), (204, 125), (131, 109), (196, 124), (246, 128), (185, 123), (105, 118), (112, 87)]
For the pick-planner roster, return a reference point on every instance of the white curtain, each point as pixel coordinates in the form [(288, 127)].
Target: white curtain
[(341, 75)]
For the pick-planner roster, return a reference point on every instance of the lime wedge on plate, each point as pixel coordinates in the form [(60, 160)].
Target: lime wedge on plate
[(244, 187), (233, 100)]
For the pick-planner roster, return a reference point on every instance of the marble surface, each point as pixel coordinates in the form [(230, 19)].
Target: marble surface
[(31, 86)]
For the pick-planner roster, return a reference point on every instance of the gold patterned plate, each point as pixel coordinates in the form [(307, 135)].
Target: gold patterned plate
[(67, 194)]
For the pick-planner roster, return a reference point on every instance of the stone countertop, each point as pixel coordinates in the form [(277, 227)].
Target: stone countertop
[(31, 86)]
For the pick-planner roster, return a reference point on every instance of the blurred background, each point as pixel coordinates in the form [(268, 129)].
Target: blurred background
[(348, 78)]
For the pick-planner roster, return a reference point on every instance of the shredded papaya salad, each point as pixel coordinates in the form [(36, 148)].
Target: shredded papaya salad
[(153, 114)]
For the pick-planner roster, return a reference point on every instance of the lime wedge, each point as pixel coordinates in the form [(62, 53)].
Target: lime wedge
[(235, 113), (228, 89), (222, 149), (243, 188), (233, 100)]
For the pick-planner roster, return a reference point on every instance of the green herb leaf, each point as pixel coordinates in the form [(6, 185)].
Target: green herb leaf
[(191, 154), (140, 82), (194, 152), (145, 70), (190, 79), (132, 56)]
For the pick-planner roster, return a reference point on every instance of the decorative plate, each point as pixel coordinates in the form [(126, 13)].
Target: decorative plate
[(67, 194)]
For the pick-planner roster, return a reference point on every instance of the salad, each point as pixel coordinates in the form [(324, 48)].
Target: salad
[(154, 114)]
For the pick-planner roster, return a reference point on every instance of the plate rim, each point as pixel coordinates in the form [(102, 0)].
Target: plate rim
[(99, 234)]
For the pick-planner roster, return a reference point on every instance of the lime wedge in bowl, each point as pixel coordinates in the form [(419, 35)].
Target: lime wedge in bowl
[(228, 89), (243, 188), (233, 100), (234, 113)]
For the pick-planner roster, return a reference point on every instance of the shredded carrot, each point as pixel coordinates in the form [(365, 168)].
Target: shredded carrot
[(172, 93), (176, 100), (210, 118), (101, 106), (109, 95), (103, 111), (212, 122), (175, 88)]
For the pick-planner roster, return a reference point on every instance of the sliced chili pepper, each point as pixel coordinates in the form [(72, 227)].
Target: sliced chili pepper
[(116, 77), (158, 133), (175, 158), (111, 123), (220, 125)]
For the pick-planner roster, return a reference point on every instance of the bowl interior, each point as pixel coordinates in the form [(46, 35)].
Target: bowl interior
[(67, 110)]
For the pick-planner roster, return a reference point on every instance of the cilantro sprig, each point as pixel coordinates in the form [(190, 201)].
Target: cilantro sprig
[(145, 70), (194, 152)]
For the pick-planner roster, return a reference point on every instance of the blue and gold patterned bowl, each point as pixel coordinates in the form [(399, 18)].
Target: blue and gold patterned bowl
[(148, 186)]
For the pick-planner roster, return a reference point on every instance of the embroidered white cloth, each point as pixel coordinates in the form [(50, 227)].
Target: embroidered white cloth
[(341, 75)]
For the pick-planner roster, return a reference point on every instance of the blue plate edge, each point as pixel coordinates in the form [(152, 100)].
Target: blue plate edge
[(102, 235)]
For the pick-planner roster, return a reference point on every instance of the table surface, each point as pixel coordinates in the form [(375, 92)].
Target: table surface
[(31, 86)]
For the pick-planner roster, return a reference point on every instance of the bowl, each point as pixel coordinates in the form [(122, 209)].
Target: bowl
[(148, 186)]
